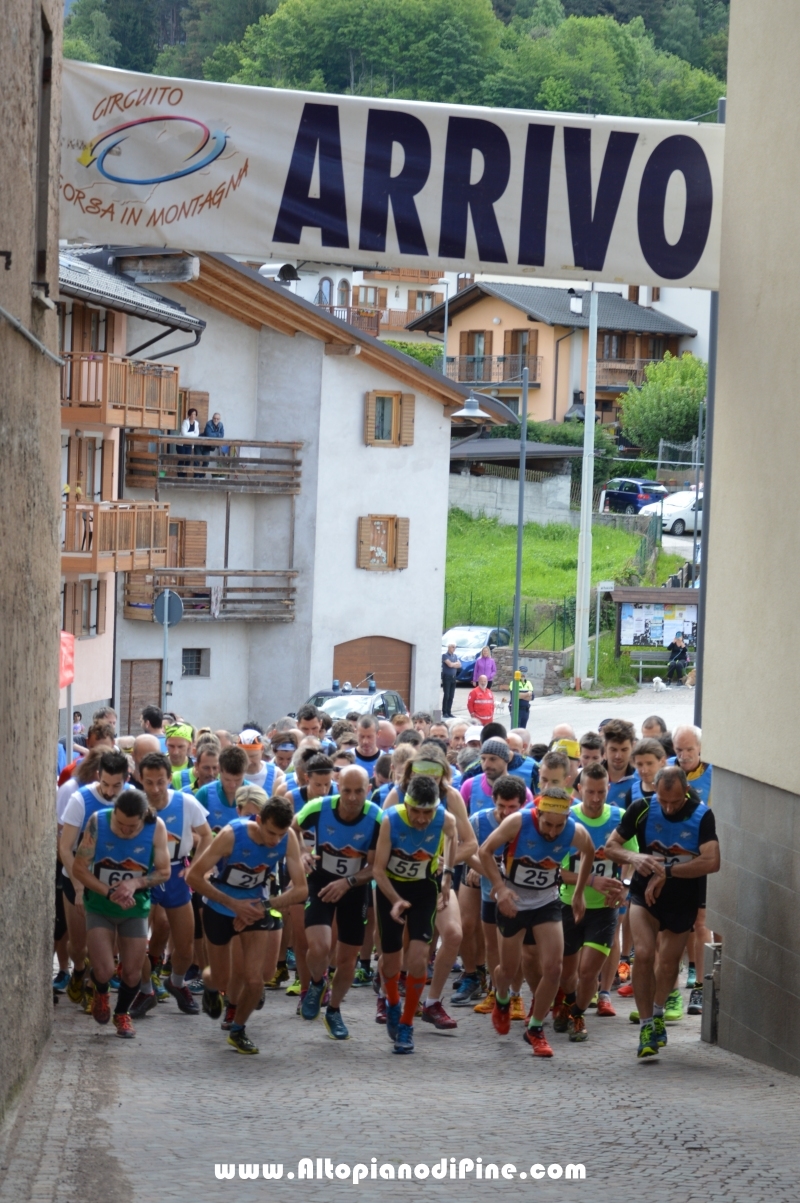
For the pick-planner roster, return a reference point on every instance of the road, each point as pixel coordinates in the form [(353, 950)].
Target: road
[(106, 1119), (675, 706)]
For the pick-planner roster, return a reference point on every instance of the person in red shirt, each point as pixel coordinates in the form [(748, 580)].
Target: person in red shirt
[(480, 702)]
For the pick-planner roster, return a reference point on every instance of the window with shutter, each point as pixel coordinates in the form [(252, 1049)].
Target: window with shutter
[(463, 342), (383, 298), (195, 538), (438, 298), (407, 407), (69, 615), (107, 470), (362, 550), (633, 293), (401, 543), (382, 542), (370, 406), (412, 300), (102, 600)]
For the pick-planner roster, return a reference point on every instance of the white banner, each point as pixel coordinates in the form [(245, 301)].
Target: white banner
[(152, 161)]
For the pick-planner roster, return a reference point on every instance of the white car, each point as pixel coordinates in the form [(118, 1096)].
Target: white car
[(679, 513)]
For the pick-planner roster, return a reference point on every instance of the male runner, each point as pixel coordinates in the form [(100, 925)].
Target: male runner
[(678, 847), (588, 943), (171, 916), (495, 759), (591, 748), (421, 721), (346, 830), (536, 841), (123, 854), (259, 771), (218, 798), (180, 737), (152, 723), (367, 751), (241, 859), (686, 742), (387, 736), (412, 837)]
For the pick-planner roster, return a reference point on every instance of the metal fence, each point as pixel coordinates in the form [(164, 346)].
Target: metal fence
[(544, 626), (678, 454)]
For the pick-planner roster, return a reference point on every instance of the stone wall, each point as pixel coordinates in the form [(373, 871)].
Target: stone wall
[(544, 670), (498, 497), (634, 524), (29, 498)]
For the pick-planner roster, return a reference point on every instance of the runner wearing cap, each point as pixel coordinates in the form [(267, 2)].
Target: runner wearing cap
[(180, 737), (413, 836), (535, 841), (259, 772), (572, 751), (476, 791)]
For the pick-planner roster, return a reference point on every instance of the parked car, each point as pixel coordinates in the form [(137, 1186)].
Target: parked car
[(629, 495), (470, 642), (338, 703), (681, 511)]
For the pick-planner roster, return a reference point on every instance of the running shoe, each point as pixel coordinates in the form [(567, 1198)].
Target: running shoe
[(561, 1017), (182, 997), (501, 1017), (458, 966), (313, 1000), (577, 1029), (160, 990), (695, 1001), (624, 971), (380, 1011), (486, 1005), (393, 1013), (75, 989), (673, 1007), (404, 1042), (468, 990), (538, 1042), (88, 998), (362, 977), (626, 991), (61, 981), (335, 1025), (691, 978), (141, 1004), (291, 962), (229, 1017), (242, 1042), (278, 978), (124, 1027), (604, 1008), (294, 987), (212, 1003), (192, 973), (660, 1029), (437, 1015), (114, 983), (517, 1008), (101, 1008), (593, 1003), (195, 985), (648, 1042)]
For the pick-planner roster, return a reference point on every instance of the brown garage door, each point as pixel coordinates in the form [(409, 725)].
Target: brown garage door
[(140, 686), (388, 659)]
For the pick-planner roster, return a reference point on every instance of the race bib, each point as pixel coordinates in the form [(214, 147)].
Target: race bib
[(340, 866), (532, 877), (605, 868), (112, 875), (671, 858), (240, 879), (406, 868)]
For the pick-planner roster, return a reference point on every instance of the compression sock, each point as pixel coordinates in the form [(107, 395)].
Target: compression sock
[(392, 985), (100, 987), (364, 962), (177, 979), (414, 988), (125, 996)]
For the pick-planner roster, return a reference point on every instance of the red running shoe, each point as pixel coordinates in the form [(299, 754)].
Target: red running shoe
[(124, 1027), (437, 1015), (626, 991), (604, 1008), (538, 1042), (101, 1007), (501, 1017), (380, 1013)]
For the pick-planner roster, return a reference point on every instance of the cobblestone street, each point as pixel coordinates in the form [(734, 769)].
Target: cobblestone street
[(110, 1120)]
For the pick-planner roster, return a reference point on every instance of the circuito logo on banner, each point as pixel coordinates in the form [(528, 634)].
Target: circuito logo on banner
[(144, 150)]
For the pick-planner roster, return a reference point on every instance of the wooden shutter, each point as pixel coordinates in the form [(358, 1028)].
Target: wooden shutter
[(407, 407), (73, 456), (199, 401), (195, 537), (633, 293), (107, 470), (140, 686), (533, 342), (362, 547), (401, 543), (508, 342), (102, 594), (71, 607), (383, 298), (438, 298), (370, 406), (110, 329), (463, 342), (487, 342), (412, 299)]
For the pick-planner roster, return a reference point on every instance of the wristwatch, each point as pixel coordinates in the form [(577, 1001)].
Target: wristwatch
[(351, 880), (448, 871), (668, 870)]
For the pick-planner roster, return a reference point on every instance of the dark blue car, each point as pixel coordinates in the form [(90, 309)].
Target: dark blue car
[(627, 495)]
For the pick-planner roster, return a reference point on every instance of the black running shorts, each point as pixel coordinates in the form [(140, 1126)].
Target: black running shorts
[(595, 930), (527, 920), (669, 919), (350, 911), (419, 919), (219, 928)]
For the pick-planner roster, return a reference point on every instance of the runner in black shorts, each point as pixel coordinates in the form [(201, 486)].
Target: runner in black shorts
[(678, 847), (412, 838), (346, 829)]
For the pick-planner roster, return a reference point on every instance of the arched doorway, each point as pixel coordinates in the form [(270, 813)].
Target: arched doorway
[(343, 298), (388, 659)]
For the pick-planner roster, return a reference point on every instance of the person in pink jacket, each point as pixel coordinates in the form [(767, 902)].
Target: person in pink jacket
[(484, 667)]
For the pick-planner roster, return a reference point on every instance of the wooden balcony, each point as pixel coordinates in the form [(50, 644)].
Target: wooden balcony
[(115, 391), (621, 373), (410, 275), (398, 319), (203, 465), (493, 369), (212, 595), (113, 536), (361, 317)]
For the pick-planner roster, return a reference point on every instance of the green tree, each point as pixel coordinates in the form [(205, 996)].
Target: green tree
[(427, 353), (87, 34), (206, 26), (568, 434), (135, 27), (668, 403)]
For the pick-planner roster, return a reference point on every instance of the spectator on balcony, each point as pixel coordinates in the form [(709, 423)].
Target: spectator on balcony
[(484, 667), (190, 428), (214, 429)]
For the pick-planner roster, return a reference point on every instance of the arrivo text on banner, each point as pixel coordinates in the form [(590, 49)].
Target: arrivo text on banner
[(152, 161)]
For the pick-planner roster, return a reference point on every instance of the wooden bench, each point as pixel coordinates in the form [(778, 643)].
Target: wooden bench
[(651, 657)]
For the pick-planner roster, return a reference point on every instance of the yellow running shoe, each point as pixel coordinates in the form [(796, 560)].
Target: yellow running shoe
[(75, 989), (486, 1005), (294, 987), (278, 978), (517, 1007), (88, 998)]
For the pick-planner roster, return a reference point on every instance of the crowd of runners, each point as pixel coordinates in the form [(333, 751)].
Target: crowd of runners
[(312, 857)]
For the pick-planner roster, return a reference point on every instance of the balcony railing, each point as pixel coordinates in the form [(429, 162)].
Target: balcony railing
[(113, 536), (411, 275), (117, 391), (212, 594), (154, 461), (482, 369), (362, 318), (621, 373)]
